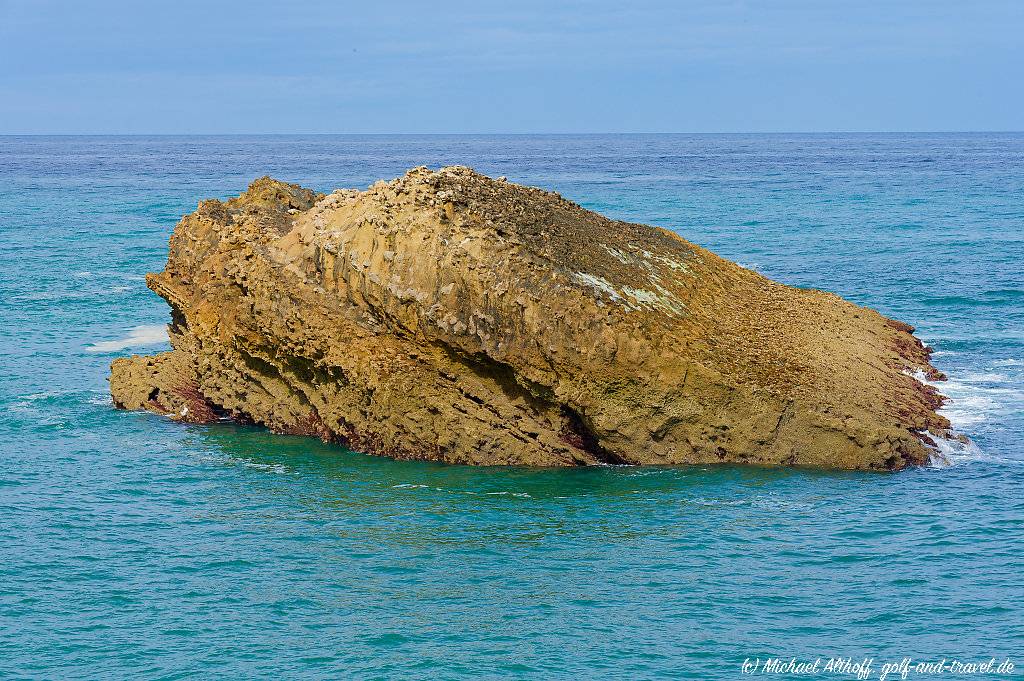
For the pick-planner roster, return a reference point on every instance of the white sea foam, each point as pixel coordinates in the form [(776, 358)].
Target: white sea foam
[(227, 459), (973, 398), (280, 469), (949, 452), (982, 377), (138, 336), (968, 410)]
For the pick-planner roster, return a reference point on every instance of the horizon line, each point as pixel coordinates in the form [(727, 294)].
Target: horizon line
[(505, 134)]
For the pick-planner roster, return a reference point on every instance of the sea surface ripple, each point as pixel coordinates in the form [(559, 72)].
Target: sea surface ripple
[(134, 547)]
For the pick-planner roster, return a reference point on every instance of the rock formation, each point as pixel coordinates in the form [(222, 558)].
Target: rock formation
[(449, 316)]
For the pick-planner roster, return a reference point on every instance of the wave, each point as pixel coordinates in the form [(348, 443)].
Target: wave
[(227, 459), (952, 452), (973, 398), (977, 399), (993, 298), (138, 336), (987, 377)]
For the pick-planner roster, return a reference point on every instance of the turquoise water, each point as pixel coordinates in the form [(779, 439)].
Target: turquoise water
[(136, 547)]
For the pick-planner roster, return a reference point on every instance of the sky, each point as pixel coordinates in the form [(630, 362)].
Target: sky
[(516, 66)]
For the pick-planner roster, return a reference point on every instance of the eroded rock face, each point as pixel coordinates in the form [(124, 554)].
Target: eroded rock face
[(446, 315)]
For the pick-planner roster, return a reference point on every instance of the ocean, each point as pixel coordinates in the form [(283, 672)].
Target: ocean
[(136, 547)]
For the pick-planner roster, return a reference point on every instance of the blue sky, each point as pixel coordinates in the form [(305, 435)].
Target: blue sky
[(513, 66)]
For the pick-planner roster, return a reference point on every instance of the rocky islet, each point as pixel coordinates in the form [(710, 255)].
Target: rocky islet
[(449, 316)]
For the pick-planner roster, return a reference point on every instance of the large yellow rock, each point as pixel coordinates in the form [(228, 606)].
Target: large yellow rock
[(446, 315)]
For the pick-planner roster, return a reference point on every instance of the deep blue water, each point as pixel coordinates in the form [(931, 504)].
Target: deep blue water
[(131, 546)]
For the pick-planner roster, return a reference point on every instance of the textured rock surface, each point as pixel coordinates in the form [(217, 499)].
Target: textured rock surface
[(445, 315)]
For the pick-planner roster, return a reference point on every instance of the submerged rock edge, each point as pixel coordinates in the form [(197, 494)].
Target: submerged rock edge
[(448, 316)]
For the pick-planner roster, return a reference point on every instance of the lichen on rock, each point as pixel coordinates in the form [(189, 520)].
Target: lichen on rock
[(445, 315)]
